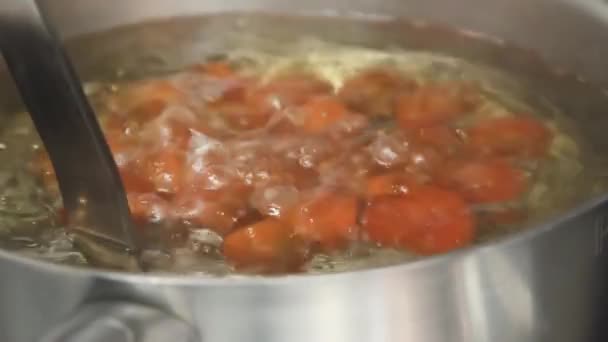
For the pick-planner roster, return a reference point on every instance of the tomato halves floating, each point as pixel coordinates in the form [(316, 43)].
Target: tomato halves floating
[(428, 220), (330, 220), (374, 91), (321, 112), (431, 105), (267, 246), (510, 136), (485, 181)]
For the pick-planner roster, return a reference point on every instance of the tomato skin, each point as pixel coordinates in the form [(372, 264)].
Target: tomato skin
[(442, 138), (510, 136), (485, 181), (199, 209), (164, 170), (329, 220), (374, 91), (286, 91), (433, 105), (393, 183), (429, 220), (267, 246), (243, 116), (322, 112)]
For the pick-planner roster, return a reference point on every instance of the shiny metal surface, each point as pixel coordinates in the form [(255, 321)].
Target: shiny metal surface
[(121, 322), (91, 188), (546, 285)]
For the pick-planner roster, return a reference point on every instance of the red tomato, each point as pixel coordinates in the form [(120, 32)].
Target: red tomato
[(322, 112), (486, 181), (374, 91), (134, 180), (390, 184), (424, 160), (286, 91), (443, 138), (329, 219), (267, 246), (510, 136), (198, 209), (164, 169), (241, 115), (429, 220), (432, 105)]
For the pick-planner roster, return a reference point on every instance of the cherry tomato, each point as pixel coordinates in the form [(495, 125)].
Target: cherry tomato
[(267, 246), (443, 138), (164, 169), (198, 209), (241, 115), (428, 220), (322, 112), (510, 136), (134, 179), (393, 183), (486, 181), (432, 105), (374, 91), (424, 160), (329, 219), (287, 90)]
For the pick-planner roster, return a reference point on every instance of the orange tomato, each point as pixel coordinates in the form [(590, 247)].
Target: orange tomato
[(393, 183), (443, 138), (241, 115), (198, 209), (322, 112), (510, 136), (134, 180), (434, 104), (285, 91), (267, 246), (374, 91), (485, 181), (329, 219), (428, 220), (164, 170)]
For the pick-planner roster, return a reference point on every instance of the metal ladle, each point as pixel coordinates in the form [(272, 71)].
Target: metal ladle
[(93, 194)]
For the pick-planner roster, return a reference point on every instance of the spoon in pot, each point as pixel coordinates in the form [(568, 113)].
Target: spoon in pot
[(92, 192)]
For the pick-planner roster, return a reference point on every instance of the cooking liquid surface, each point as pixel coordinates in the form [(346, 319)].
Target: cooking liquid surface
[(315, 157)]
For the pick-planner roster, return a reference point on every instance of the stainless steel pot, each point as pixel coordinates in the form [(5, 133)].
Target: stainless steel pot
[(548, 284)]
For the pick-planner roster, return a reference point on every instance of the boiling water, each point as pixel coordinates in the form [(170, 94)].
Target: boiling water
[(28, 220)]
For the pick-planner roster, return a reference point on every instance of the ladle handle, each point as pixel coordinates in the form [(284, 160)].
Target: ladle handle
[(65, 121), (122, 322)]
